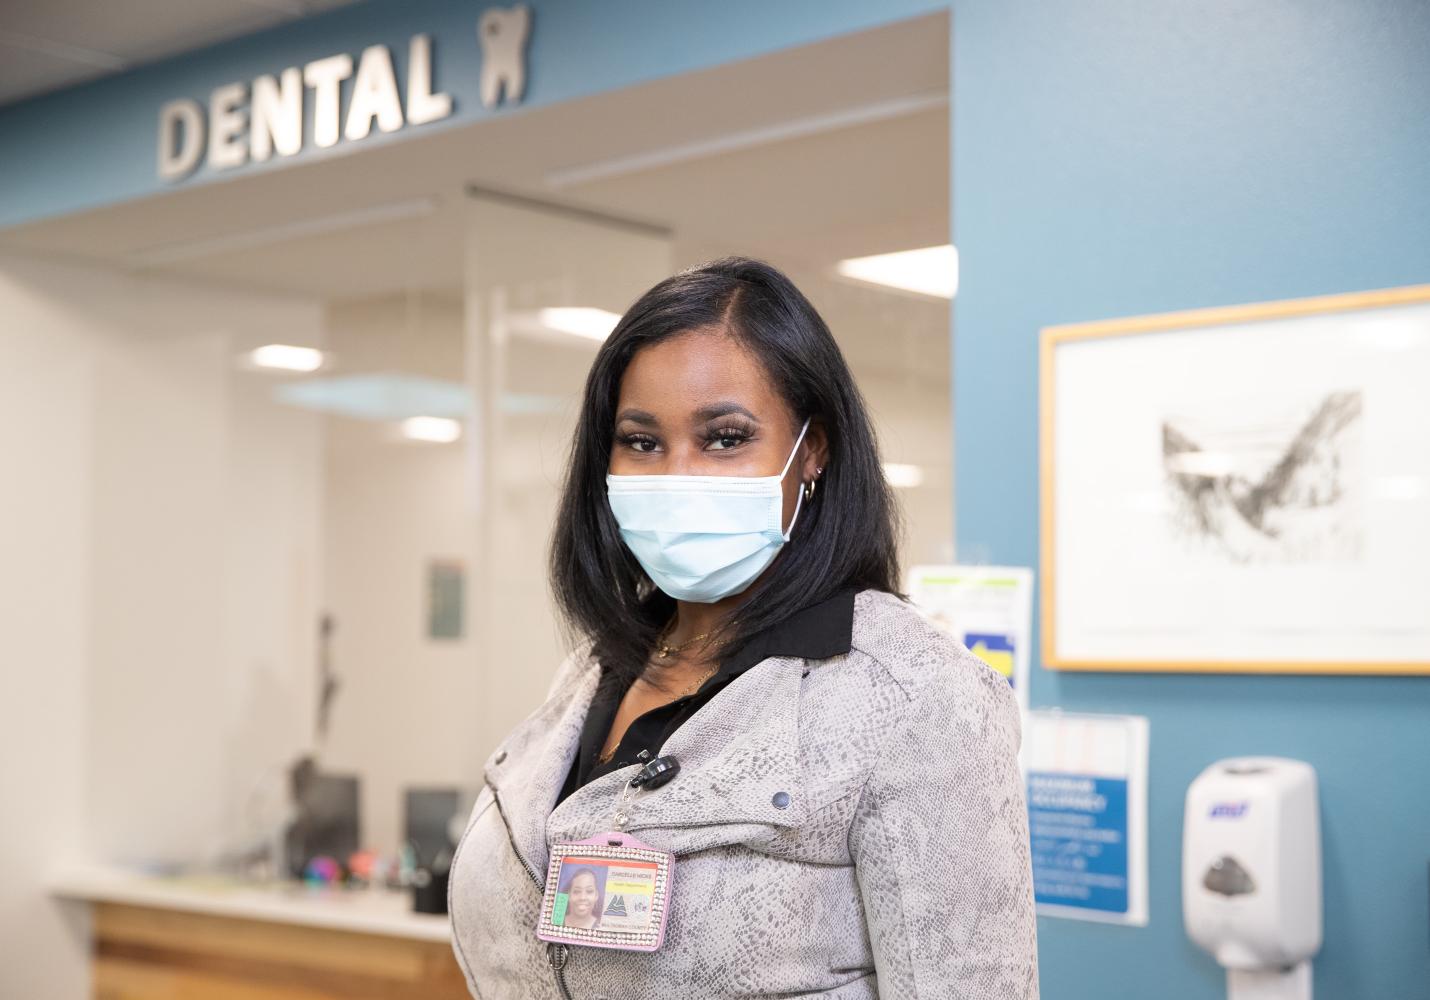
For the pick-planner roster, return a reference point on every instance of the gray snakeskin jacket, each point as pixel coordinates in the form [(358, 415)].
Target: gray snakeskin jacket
[(899, 866)]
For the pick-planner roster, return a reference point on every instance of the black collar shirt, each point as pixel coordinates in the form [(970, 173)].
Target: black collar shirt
[(815, 632)]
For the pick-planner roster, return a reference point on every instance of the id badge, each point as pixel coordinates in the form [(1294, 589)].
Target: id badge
[(610, 891)]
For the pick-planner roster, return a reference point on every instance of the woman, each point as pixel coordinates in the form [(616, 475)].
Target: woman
[(583, 900), (847, 819)]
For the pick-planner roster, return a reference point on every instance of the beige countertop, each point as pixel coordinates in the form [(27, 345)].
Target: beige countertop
[(366, 911)]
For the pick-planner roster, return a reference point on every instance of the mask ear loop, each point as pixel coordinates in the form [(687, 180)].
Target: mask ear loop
[(799, 494), (794, 451), (798, 499)]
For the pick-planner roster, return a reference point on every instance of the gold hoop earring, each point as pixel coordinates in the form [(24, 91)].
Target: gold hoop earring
[(809, 491)]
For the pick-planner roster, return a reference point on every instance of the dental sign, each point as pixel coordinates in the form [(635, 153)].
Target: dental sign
[(255, 121)]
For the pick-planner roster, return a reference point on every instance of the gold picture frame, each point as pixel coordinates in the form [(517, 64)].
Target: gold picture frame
[(1259, 324)]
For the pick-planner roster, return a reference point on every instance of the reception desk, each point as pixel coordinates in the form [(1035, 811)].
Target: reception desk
[(210, 939)]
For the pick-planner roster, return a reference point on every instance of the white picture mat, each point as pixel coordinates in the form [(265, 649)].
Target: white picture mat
[(1125, 591), (1103, 746)]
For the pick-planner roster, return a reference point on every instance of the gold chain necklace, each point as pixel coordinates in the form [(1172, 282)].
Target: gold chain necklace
[(701, 682), (664, 652)]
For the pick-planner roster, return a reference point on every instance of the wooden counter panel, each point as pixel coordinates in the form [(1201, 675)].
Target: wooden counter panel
[(144, 953)]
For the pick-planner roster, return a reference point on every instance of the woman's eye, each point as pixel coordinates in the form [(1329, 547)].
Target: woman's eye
[(727, 438), (639, 442)]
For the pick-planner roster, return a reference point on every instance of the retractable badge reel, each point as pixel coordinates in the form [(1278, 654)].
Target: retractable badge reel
[(611, 890)]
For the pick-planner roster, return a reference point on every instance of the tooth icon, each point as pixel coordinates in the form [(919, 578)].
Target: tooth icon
[(502, 32)]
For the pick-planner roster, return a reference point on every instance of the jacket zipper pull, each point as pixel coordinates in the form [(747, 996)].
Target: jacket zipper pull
[(556, 954)]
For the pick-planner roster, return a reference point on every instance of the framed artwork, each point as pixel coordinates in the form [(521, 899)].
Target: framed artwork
[(1241, 489)]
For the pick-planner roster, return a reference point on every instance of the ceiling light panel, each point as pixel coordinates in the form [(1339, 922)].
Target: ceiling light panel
[(286, 357), (931, 271)]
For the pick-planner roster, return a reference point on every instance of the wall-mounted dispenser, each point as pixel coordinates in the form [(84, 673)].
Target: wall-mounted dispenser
[(1251, 874)]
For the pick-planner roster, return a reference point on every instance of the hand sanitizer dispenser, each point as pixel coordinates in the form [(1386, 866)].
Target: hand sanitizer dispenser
[(1251, 874)]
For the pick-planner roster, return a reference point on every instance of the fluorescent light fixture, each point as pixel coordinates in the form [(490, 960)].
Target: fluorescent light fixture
[(903, 477), (579, 321), (439, 429), (287, 357), (931, 271)]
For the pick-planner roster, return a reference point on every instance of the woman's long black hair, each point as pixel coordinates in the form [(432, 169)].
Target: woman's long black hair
[(845, 537)]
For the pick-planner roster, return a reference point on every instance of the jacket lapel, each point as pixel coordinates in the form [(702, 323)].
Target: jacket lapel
[(529, 768), (739, 771), (739, 761)]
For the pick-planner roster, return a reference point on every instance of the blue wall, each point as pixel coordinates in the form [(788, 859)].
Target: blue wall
[(1118, 157)]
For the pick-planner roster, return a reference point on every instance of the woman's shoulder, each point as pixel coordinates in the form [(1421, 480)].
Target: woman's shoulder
[(916, 655), (905, 691)]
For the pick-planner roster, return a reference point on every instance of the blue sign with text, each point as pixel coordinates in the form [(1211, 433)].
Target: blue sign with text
[(1078, 827)]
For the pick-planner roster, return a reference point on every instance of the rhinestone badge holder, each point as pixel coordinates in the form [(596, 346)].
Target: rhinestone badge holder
[(611, 848)]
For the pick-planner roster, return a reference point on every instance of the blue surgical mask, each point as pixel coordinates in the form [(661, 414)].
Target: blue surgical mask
[(703, 538)]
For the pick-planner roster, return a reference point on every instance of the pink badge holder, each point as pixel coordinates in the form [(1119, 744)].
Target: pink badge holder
[(632, 882)]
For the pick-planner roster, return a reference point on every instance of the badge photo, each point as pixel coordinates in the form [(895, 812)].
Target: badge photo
[(610, 891)]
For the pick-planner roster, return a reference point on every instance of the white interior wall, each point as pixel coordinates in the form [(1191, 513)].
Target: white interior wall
[(157, 519), (45, 436)]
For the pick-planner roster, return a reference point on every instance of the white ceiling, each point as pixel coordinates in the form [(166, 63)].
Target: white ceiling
[(49, 44)]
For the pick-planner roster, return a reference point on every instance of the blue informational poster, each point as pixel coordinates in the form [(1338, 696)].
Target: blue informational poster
[(1086, 783), (1078, 825)]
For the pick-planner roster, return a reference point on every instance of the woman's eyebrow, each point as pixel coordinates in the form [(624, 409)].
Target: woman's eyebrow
[(642, 417), (716, 410)]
